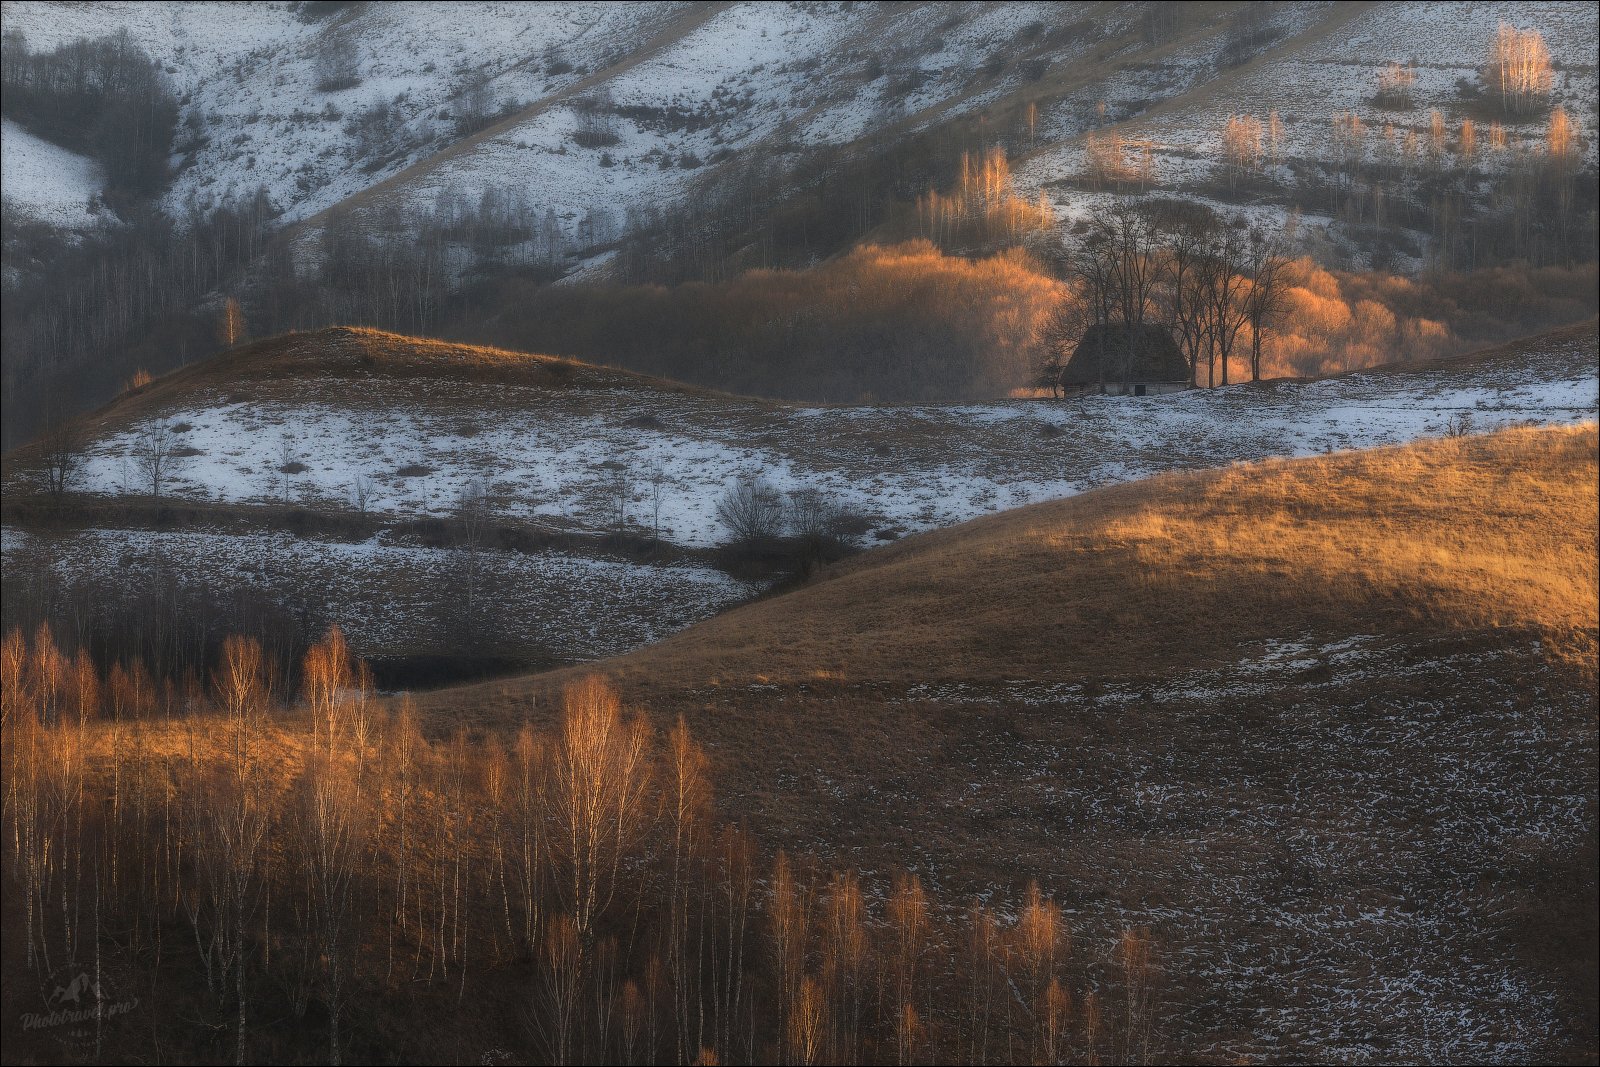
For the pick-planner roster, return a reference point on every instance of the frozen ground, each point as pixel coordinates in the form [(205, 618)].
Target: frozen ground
[(1332, 843)]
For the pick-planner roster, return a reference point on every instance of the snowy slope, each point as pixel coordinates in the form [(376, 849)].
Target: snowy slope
[(46, 183), (545, 455), (703, 81), (246, 73), (700, 83), (1182, 103)]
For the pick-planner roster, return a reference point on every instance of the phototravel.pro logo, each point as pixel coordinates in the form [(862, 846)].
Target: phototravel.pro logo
[(77, 1007)]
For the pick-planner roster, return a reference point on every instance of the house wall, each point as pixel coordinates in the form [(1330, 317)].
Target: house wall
[(1133, 388)]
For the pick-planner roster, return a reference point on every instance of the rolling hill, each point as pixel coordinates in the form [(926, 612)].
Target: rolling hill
[(1326, 726), (314, 469)]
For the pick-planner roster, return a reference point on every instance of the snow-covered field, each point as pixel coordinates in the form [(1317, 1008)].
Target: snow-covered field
[(46, 183), (553, 458)]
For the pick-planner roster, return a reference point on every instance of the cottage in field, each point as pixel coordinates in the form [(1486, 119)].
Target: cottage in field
[(1125, 360)]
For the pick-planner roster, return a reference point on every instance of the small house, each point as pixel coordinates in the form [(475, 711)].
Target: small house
[(1125, 360)]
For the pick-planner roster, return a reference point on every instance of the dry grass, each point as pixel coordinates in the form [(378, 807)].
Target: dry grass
[(1185, 571)]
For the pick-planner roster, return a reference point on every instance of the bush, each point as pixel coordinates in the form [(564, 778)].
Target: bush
[(336, 63), (752, 510), (812, 516)]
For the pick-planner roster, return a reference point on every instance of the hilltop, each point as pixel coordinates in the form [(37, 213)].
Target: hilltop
[(1188, 571)]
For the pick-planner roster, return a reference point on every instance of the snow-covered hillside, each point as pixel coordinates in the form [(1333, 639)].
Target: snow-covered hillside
[(45, 183), (565, 461), (1322, 61), (554, 457), (688, 87), (690, 81)]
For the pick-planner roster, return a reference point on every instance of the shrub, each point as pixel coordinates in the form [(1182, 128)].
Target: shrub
[(751, 510)]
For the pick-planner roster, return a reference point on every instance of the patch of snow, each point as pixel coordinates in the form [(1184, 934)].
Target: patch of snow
[(48, 183)]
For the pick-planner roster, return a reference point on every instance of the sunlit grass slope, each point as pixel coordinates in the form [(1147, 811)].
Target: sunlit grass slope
[(1187, 570)]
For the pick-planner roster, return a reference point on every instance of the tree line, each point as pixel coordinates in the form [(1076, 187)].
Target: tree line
[(270, 859)]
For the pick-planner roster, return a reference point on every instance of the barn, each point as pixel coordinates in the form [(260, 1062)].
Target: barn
[(1125, 360)]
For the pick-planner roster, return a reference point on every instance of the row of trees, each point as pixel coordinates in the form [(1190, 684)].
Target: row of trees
[(145, 295), (566, 892), (1204, 277), (136, 297), (905, 322)]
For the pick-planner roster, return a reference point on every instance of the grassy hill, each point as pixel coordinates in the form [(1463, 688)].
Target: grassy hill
[(1233, 706), (1186, 571)]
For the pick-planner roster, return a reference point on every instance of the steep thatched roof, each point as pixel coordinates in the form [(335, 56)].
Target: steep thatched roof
[(1145, 354)]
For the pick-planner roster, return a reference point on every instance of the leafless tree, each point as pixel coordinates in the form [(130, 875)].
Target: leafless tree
[(472, 518), (336, 62), (597, 776), (1519, 69), (1241, 147), (333, 834), (1226, 283), (1266, 300), (1120, 269), (810, 515), (361, 492), (153, 454), (658, 483), (1059, 336), (1188, 230), (62, 450), (597, 122), (230, 324), (619, 487)]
